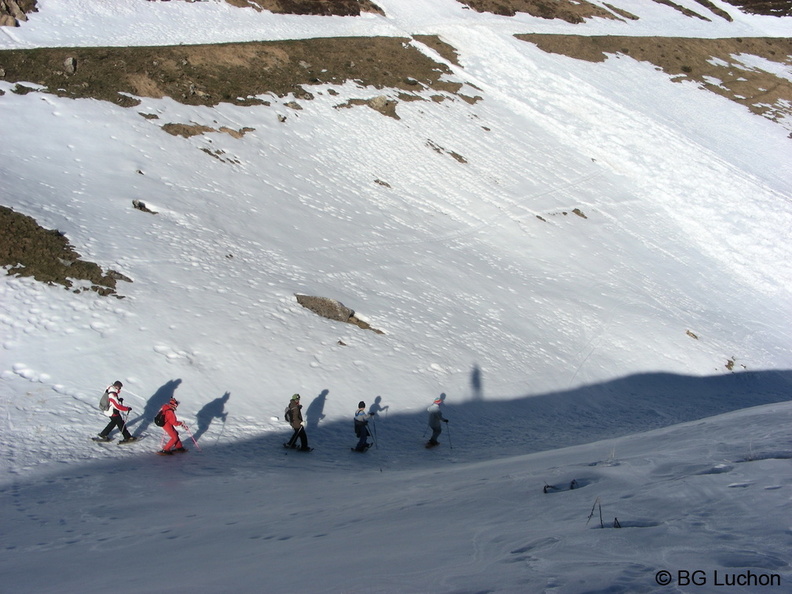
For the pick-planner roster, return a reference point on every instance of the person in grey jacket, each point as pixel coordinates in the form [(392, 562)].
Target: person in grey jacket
[(361, 427), (436, 419)]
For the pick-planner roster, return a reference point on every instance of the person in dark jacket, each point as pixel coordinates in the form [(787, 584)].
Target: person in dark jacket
[(361, 427), (174, 444), (114, 412), (436, 419), (295, 419)]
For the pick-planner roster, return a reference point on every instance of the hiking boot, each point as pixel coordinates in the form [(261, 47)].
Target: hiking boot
[(129, 439), (101, 437), (165, 453), (180, 450)]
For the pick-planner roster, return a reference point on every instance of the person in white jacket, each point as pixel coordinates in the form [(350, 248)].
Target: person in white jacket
[(114, 412)]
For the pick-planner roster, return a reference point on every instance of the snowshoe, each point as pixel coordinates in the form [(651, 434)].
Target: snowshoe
[(130, 439), (165, 453), (305, 449), (431, 444), (180, 450), (101, 439)]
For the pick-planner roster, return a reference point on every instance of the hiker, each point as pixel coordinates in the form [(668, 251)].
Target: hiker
[(175, 444), (435, 420), (361, 427), (295, 419), (114, 410)]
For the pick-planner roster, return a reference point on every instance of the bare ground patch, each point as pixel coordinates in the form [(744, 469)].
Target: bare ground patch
[(571, 11), (315, 7), (578, 11), (46, 255), (718, 65), (237, 73)]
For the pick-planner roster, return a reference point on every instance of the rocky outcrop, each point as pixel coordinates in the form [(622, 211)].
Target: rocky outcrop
[(333, 310), (13, 11)]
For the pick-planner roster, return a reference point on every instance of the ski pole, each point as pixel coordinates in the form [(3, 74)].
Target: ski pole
[(221, 433), (450, 445), (124, 424), (187, 429), (374, 426)]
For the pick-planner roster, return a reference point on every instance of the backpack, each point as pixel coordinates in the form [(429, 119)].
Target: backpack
[(287, 414), (159, 420), (104, 402)]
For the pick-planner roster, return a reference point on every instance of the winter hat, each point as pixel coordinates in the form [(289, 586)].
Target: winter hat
[(361, 404), (174, 401), (118, 384), (295, 397), (438, 401)]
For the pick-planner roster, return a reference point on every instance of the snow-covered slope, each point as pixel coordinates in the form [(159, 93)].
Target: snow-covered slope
[(589, 251)]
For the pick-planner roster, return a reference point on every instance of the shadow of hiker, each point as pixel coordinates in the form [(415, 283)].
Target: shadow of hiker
[(377, 408), (476, 383), (211, 410), (154, 404), (315, 411)]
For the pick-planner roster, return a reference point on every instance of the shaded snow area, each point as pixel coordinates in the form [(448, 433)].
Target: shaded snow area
[(590, 261)]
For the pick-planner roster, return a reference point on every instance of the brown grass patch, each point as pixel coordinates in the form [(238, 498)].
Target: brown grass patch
[(234, 73), (315, 7), (571, 11), (47, 256), (712, 63)]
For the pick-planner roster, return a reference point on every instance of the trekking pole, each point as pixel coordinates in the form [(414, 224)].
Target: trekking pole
[(374, 426), (221, 433), (450, 445), (187, 429)]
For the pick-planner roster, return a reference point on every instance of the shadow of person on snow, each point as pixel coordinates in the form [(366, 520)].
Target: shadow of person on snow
[(153, 405), (476, 383), (211, 410), (315, 411), (376, 408)]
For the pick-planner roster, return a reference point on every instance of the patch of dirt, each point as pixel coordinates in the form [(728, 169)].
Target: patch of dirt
[(188, 130), (314, 7), (237, 73), (571, 11), (441, 47), (333, 310), (767, 7), (715, 64), (47, 256), (578, 11)]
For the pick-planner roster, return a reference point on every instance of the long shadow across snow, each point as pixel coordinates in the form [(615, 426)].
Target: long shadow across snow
[(482, 429)]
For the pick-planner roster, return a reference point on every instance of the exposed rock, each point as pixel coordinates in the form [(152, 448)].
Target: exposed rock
[(13, 11), (140, 205), (326, 307), (70, 65)]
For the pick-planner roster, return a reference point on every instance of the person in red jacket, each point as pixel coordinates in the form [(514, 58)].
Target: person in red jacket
[(114, 412), (175, 444)]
